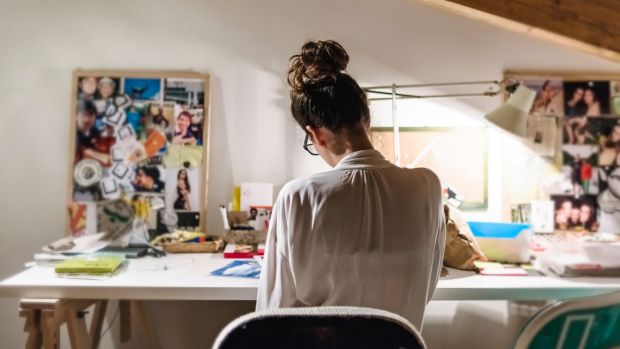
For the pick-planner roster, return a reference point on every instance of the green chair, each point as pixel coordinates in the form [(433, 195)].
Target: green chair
[(580, 323)]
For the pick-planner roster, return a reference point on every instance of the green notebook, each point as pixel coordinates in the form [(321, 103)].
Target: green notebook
[(89, 265)]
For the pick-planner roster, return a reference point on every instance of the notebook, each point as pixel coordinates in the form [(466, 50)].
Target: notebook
[(98, 265)]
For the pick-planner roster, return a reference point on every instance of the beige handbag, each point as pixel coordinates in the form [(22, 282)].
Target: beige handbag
[(461, 247)]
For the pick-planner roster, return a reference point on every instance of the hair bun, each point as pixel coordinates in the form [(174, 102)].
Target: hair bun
[(319, 62)]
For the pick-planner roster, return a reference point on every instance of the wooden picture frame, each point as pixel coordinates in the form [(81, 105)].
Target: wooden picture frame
[(123, 102)]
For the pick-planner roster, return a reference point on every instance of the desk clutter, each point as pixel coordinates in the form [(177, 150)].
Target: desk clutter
[(513, 249)]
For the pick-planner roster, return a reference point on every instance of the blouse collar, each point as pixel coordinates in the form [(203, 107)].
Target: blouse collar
[(368, 158)]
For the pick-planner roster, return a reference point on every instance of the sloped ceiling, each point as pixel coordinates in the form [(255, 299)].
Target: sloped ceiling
[(591, 26)]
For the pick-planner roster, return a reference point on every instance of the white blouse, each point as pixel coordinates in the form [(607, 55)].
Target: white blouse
[(367, 233)]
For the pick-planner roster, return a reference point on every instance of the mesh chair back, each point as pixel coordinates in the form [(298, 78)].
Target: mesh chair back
[(320, 327)]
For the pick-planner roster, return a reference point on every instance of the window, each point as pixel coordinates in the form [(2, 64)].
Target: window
[(457, 154)]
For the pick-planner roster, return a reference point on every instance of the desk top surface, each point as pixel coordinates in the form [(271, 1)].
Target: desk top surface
[(187, 277)]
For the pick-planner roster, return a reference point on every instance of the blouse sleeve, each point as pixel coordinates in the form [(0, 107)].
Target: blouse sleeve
[(276, 286), (440, 241), (440, 245)]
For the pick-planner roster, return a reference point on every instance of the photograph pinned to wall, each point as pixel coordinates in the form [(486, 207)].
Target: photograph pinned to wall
[(549, 96), (576, 214), (579, 130), (259, 217), (579, 167), (107, 89), (181, 188), (87, 88), (150, 179), (586, 98), (160, 115), (572, 153), (186, 92), (609, 200), (580, 179), (141, 89), (183, 156), (197, 123), (607, 133), (188, 127), (90, 143), (614, 98), (542, 134), (98, 90), (83, 217)]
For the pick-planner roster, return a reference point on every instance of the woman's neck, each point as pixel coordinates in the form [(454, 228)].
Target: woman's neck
[(351, 145)]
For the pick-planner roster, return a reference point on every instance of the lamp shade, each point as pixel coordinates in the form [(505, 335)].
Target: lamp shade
[(512, 115)]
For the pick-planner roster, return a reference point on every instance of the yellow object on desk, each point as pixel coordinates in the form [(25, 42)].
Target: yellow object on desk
[(98, 265)]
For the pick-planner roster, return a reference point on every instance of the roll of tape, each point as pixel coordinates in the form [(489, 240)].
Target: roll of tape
[(87, 172)]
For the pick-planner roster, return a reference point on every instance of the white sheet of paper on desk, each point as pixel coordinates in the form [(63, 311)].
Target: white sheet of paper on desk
[(88, 243), (256, 194)]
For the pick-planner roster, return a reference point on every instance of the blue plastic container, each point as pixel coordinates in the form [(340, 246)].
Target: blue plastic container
[(497, 230)]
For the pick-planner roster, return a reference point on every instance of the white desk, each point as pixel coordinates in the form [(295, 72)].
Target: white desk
[(187, 278)]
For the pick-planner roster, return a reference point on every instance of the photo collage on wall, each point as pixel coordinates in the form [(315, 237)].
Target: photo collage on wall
[(140, 139), (587, 198)]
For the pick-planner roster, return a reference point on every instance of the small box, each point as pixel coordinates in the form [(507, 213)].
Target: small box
[(245, 237), (503, 242)]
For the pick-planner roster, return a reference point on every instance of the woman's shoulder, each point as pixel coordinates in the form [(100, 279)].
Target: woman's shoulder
[(425, 173), (310, 186)]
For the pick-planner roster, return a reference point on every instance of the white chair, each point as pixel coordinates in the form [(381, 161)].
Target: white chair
[(320, 327)]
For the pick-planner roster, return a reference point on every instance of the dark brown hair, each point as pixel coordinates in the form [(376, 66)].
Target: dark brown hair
[(322, 93)]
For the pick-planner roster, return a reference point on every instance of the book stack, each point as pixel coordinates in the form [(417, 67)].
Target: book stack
[(90, 265)]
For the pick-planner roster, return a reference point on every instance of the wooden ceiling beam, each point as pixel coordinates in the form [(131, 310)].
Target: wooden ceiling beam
[(591, 26)]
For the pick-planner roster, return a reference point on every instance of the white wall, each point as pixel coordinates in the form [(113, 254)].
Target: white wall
[(245, 46)]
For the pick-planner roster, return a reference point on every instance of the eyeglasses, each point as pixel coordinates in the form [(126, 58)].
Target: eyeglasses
[(309, 147)]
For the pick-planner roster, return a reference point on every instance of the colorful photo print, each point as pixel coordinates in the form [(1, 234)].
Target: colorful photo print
[(580, 179), (588, 130), (83, 218), (259, 217), (573, 154), (150, 179), (609, 200), (160, 115), (586, 98), (575, 214), (188, 127), (182, 188), (97, 88), (143, 89), (107, 90), (92, 143), (607, 133), (615, 97), (575, 131), (183, 156), (186, 92), (549, 96)]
